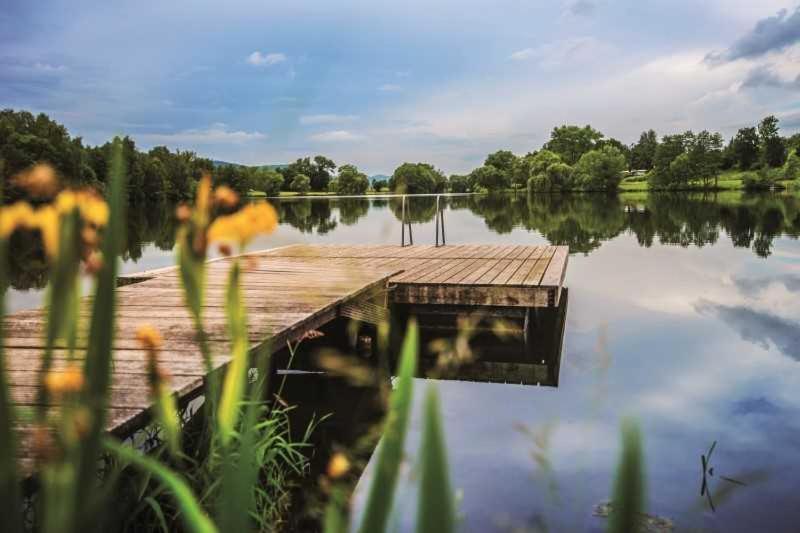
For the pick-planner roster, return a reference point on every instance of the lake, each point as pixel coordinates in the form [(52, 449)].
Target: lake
[(683, 313)]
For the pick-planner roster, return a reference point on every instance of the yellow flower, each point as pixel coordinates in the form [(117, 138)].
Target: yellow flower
[(67, 381), (46, 220), (149, 338), (338, 466), (93, 208), (242, 226), (40, 180), (226, 197), (16, 215)]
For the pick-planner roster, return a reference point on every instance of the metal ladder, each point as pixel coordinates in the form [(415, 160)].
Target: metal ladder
[(404, 222)]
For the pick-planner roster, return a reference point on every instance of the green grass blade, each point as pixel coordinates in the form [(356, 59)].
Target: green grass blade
[(334, 520), (240, 471), (390, 452), (629, 486), (101, 330), (10, 506), (435, 512), (236, 373), (192, 514)]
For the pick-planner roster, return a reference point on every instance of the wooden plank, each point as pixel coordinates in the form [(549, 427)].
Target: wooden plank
[(557, 269)]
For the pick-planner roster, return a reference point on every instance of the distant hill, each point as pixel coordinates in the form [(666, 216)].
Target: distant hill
[(377, 177), (218, 163)]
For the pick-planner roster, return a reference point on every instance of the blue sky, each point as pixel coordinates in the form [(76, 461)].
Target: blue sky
[(378, 83)]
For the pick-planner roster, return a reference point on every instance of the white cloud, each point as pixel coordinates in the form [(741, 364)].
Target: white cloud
[(215, 134), (258, 59), (564, 52), (48, 68), (390, 88), (326, 118), (335, 136)]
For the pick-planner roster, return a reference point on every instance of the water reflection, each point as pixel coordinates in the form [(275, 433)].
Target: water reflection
[(582, 221)]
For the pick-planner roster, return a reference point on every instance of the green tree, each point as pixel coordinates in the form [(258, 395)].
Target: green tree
[(301, 183), (773, 150), (705, 157), (556, 177), (504, 161), (540, 162), (417, 178), (643, 152), (490, 178), (670, 147), (745, 147), (624, 149), (458, 183), (379, 185), (269, 181), (321, 173), (351, 181), (571, 142), (600, 170)]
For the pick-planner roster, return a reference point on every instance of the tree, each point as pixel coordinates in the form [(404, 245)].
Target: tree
[(773, 150), (490, 178), (643, 152), (351, 181), (571, 142), (555, 178), (521, 171), (668, 150), (542, 161), (600, 169), (267, 180), (458, 183), (321, 173), (379, 185), (417, 178), (705, 157), (619, 145), (301, 183), (746, 148), (504, 161)]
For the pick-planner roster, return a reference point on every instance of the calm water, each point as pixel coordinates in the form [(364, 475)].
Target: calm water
[(683, 312)]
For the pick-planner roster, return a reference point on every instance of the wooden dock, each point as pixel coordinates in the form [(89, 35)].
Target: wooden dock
[(288, 291)]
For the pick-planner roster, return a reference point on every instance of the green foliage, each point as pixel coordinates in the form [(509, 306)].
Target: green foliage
[(301, 184), (505, 162), (629, 486), (390, 450), (351, 181), (600, 170), (571, 142), (319, 171), (643, 152), (267, 181), (556, 177), (194, 518), (490, 178), (458, 184), (380, 185), (773, 149), (435, 510), (417, 178), (745, 148), (792, 169)]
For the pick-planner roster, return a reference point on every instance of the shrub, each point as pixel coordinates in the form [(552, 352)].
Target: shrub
[(792, 169)]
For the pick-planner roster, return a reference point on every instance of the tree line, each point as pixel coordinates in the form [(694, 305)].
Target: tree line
[(574, 158)]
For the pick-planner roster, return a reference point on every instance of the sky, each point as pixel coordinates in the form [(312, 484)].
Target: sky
[(379, 83)]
